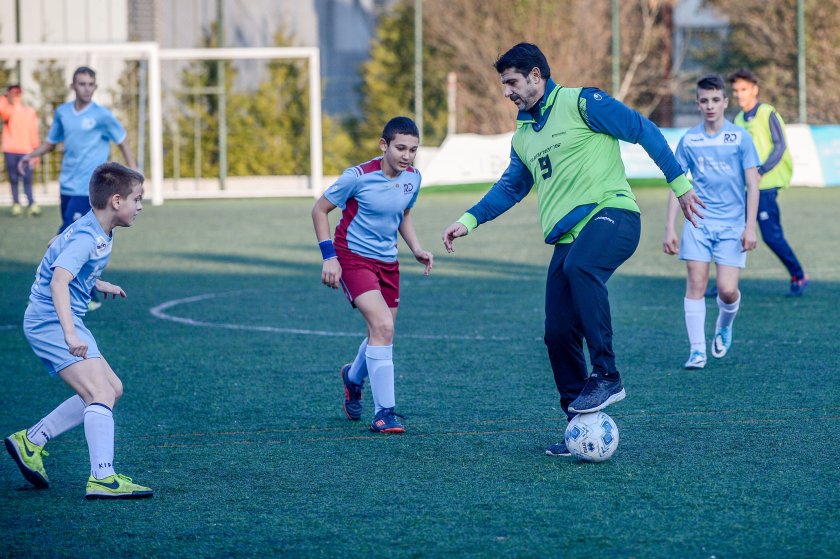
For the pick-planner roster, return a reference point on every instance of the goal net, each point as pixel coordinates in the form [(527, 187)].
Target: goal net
[(203, 123)]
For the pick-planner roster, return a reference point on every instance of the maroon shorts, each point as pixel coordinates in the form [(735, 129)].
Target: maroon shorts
[(360, 275)]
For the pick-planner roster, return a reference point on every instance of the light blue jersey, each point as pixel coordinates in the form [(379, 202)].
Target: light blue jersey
[(717, 165), (84, 250), (86, 136), (373, 206)]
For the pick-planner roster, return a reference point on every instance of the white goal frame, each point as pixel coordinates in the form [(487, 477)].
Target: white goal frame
[(154, 54)]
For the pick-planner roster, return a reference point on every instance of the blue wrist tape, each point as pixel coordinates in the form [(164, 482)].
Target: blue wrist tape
[(327, 250)]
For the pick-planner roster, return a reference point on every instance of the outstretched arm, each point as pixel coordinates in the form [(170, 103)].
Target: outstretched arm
[(606, 115), (107, 288), (516, 182), (410, 236), (330, 270), (129, 157), (46, 147)]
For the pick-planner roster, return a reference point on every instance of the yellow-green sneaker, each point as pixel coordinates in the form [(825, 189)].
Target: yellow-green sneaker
[(29, 458), (34, 210), (116, 486), (16, 210)]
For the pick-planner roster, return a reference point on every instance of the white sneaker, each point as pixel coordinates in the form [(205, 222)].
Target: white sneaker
[(722, 342), (697, 360)]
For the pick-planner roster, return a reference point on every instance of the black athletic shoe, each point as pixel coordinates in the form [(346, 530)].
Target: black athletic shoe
[(711, 293), (597, 394)]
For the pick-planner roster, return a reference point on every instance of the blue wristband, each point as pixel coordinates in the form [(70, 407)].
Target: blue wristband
[(327, 250)]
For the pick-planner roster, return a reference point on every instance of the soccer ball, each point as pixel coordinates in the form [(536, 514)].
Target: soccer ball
[(592, 436)]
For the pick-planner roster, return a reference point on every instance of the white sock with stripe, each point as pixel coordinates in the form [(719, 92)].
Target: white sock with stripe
[(380, 367), (99, 432), (70, 413), (695, 323)]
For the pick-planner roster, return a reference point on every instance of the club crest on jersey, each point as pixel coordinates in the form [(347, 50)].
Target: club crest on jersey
[(408, 188), (88, 123), (101, 245)]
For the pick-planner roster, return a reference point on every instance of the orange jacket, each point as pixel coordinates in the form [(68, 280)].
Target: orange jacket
[(20, 127)]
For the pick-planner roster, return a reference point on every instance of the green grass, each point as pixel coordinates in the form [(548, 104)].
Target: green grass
[(241, 434)]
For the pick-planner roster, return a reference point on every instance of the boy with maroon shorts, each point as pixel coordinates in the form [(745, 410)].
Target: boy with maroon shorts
[(376, 198)]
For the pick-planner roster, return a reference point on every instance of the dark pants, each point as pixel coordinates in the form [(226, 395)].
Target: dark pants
[(770, 223), (12, 160), (72, 208), (577, 305)]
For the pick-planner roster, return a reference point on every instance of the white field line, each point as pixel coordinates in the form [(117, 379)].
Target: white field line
[(160, 312)]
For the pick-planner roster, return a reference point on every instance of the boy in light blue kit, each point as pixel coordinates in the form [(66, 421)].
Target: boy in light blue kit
[(722, 160), (53, 326)]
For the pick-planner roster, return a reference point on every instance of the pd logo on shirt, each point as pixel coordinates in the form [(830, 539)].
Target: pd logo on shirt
[(408, 188)]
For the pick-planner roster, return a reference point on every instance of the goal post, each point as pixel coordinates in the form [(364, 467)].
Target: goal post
[(154, 55)]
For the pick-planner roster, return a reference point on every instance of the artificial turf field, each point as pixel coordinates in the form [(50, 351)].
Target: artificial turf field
[(229, 348)]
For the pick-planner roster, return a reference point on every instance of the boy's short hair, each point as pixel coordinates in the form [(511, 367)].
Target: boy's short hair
[(109, 179), (399, 125), (743, 74), (524, 57), (14, 87), (84, 70), (712, 81)]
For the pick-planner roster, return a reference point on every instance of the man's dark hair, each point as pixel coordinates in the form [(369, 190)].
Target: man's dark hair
[(14, 87), (523, 58), (109, 179), (743, 74), (399, 125), (84, 70), (712, 81)]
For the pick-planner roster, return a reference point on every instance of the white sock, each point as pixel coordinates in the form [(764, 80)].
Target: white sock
[(358, 370), (70, 413), (99, 432), (727, 312), (380, 366), (695, 323)]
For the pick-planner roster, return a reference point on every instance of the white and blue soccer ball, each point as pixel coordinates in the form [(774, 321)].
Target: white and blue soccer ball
[(592, 436)]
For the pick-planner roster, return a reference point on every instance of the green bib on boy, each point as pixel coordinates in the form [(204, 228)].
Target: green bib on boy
[(576, 171), (759, 129)]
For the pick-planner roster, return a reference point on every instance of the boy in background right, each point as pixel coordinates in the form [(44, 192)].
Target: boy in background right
[(722, 160)]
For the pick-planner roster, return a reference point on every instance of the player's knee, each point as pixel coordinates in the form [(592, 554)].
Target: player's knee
[(105, 395), (118, 391), (383, 330), (728, 294)]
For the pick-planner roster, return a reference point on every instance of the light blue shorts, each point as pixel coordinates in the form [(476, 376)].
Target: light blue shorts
[(720, 244), (43, 332)]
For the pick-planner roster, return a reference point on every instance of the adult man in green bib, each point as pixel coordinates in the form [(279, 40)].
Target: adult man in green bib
[(767, 129), (566, 146)]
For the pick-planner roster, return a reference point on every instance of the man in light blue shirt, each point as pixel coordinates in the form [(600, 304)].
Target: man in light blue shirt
[(87, 130), (723, 162)]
